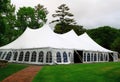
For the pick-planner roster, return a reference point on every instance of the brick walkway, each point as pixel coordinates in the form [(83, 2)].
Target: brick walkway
[(25, 75)]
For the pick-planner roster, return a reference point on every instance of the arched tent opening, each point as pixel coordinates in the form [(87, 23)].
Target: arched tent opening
[(88, 57), (21, 56), (41, 56), (58, 55), (27, 56), (15, 55), (49, 57), (8, 57), (33, 56), (3, 56), (65, 57)]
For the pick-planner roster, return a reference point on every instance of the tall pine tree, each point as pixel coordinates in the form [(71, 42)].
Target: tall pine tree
[(65, 19)]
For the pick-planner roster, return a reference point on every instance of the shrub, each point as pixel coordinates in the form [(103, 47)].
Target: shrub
[(3, 63)]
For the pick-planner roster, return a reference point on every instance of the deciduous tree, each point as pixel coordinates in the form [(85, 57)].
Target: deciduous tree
[(116, 44), (31, 17), (104, 36), (7, 22)]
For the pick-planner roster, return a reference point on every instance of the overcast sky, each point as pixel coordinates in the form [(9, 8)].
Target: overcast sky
[(89, 13)]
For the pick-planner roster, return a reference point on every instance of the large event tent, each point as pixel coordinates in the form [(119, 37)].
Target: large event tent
[(43, 46)]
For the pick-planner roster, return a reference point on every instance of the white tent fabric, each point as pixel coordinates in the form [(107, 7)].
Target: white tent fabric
[(45, 37), (37, 38), (83, 42), (90, 44), (72, 39)]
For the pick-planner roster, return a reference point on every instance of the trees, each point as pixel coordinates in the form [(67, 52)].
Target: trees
[(12, 26), (104, 36), (31, 17), (3, 11), (25, 15), (64, 15), (40, 15), (116, 44), (65, 21), (107, 37), (78, 29), (7, 22)]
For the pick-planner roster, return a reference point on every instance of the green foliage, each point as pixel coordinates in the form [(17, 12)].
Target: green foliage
[(2, 25), (3, 5), (10, 69), (99, 72), (116, 44), (31, 17), (78, 29), (64, 19), (12, 26), (63, 15), (60, 29), (104, 36), (7, 22), (24, 17), (41, 14), (65, 22)]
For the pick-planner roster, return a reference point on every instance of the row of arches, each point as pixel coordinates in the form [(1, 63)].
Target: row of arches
[(56, 56), (66, 57), (42, 57), (93, 57)]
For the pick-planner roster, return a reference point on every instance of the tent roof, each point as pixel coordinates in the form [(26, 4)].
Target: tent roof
[(37, 38), (90, 44), (45, 37), (72, 38), (83, 42)]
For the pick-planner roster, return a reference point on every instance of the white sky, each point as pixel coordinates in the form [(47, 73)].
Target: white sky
[(89, 13)]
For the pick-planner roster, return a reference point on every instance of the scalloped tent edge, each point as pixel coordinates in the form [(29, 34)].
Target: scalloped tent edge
[(65, 48)]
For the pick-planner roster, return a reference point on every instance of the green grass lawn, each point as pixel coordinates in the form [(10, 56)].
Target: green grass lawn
[(10, 69), (96, 72)]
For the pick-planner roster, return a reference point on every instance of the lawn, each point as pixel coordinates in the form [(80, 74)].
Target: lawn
[(10, 69), (96, 72)]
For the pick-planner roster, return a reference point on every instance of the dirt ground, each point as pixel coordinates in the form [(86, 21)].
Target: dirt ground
[(25, 75)]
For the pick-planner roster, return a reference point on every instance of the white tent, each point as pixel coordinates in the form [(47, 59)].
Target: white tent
[(89, 47), (45, 37), (55, 48)]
